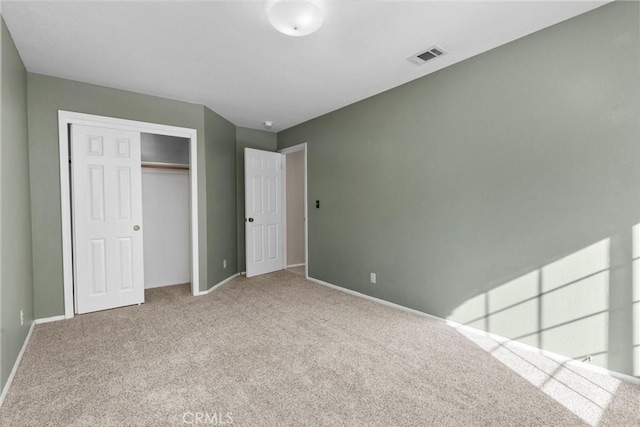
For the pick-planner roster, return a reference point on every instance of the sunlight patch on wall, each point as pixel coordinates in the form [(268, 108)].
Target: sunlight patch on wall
[(513, 309), (576, 266), (561, 307), (472, 312), (575, 304), (636, 299)]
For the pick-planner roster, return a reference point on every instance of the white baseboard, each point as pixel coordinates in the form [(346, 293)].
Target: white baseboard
[(49, 319), (295, 265), (214, 287), (378, 300), (558, 357), (5, 390)]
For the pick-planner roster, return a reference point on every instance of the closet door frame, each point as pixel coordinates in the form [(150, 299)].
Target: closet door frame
[(67, 118)]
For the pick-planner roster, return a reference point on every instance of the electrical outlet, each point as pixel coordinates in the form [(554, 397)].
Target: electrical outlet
[(21, 317), (373, 277), (224, 263)]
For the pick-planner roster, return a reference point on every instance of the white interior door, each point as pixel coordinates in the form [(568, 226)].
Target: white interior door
[(107, 218), (263, 211)]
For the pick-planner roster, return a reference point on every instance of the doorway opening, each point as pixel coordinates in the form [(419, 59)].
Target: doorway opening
[(276, 226), (295, 229), (66, 121)]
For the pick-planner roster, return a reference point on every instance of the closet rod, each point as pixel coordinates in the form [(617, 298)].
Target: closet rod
[(165, 166)]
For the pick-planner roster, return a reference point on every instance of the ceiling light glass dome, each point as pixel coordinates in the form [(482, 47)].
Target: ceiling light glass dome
[(295, 17)]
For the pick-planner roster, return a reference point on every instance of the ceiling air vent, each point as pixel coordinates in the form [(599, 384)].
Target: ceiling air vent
[(427, 55)]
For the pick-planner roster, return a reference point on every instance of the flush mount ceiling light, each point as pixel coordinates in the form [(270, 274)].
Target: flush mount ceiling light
[(295, 17)]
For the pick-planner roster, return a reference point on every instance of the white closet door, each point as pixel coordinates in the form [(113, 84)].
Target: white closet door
[(107, 218), (263, 211)]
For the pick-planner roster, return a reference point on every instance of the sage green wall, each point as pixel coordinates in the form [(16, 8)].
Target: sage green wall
[(221, 197), (247, 138), (16, 281), (453, 185), (47, 95)]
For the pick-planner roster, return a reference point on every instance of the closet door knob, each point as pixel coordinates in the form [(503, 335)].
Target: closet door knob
[(136, 227), (250, 219)]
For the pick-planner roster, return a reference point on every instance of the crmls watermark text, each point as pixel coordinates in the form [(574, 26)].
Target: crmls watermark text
[(202, 418)]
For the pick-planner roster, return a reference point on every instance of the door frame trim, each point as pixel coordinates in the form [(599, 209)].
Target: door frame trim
[(66, 118), (284, 152)]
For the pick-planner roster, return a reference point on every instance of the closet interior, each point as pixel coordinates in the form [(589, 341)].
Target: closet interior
[(165, 210)]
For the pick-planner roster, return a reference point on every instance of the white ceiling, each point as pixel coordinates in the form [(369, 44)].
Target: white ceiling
[(225, 55)]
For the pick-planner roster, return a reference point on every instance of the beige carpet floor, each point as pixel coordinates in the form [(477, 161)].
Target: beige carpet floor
[(300, 270), (278, 350)]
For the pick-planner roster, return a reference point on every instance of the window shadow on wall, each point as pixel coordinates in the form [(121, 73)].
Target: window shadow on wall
[(636, 299), (562, 307)]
